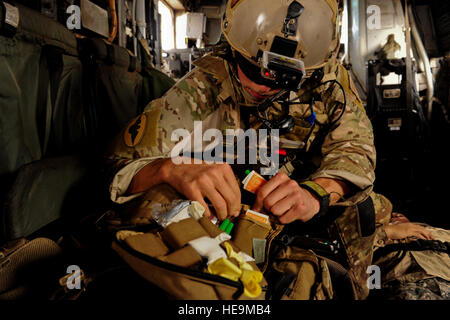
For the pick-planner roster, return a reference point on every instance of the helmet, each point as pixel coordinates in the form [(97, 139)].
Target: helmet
[(276, 35)]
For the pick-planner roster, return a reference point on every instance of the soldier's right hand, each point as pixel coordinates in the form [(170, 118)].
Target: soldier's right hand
[(212, 181)]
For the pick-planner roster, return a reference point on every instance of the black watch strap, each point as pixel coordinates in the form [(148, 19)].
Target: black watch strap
[(320, 193)]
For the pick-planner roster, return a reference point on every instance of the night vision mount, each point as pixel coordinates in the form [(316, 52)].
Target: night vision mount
[(285, 71), (279, 64)]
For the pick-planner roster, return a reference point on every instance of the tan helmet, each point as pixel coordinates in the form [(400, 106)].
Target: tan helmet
[(308, 30)]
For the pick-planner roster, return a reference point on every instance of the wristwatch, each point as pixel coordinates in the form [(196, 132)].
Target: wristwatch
[(320, 193)]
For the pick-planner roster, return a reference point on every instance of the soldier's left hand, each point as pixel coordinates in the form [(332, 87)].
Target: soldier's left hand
[(408, 229), (284, 198)]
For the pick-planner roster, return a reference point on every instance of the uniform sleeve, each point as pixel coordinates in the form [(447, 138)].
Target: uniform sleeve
[(381, 239), (149, 136), (348, 151)]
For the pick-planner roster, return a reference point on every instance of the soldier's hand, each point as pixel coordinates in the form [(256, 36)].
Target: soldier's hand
[(284, 198), (405, 230), (216, 182)]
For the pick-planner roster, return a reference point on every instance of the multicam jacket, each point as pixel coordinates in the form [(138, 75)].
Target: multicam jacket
[(211, 94)]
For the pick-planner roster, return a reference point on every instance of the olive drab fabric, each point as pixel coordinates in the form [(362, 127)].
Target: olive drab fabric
[(41, 91), (117, 86), (55, 108), (41, 117), (110, 82), (311, 278)]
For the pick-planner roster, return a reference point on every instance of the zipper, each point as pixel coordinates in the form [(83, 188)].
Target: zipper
[(178, 269)]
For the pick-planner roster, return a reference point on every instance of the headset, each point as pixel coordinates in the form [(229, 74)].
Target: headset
[(287, 122)]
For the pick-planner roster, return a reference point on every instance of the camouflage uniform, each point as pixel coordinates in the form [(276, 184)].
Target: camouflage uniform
[(426, 289), (210, 93), (414, 275)]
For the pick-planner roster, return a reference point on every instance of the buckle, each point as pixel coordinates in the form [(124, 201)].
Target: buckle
[(434, 245), (439, 245)]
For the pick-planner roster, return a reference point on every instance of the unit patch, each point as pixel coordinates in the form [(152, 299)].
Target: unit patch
[(135, 131)]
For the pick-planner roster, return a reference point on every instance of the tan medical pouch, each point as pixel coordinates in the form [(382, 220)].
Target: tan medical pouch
[(164, 260), (248, 229)]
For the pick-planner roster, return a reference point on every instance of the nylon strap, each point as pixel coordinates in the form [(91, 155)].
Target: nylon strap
[(320, 193), (315, 188), (50, 70), (418, 245)]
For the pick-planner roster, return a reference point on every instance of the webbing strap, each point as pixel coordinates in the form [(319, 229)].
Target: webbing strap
[(50, 70), (42, 111), (133, 64), (418, 245), (110, 54)]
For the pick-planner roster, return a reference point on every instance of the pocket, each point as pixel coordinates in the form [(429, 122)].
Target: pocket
[(248, 229), (299, 274), (366, 217), (356, 229)]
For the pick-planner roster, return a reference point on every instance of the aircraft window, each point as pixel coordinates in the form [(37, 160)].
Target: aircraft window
[(344, 30), (167, 27), (181, 24)]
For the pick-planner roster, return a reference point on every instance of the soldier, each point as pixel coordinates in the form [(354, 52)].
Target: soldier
[(411, 269), (273, 49), (390, 49)]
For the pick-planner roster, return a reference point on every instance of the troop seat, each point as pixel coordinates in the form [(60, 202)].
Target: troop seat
[(61, 100)]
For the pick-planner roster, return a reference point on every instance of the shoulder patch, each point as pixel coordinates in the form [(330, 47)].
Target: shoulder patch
[(135, 131)]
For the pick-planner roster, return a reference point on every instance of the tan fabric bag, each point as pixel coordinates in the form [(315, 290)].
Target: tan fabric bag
[(299, 274), (177, 268)]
